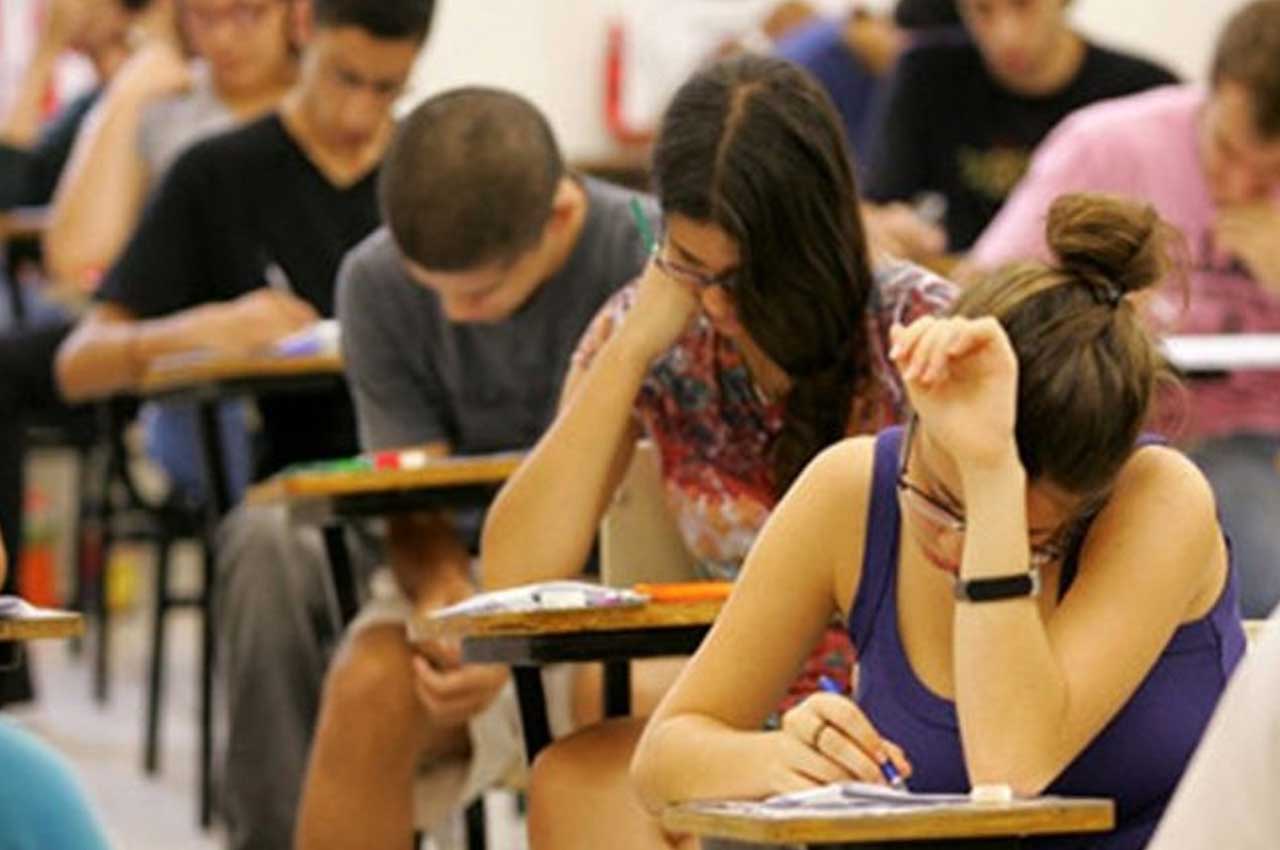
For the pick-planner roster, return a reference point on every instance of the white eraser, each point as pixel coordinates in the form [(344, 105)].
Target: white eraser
[(991, 794)]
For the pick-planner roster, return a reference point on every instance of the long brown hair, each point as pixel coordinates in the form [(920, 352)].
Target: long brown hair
[(753, 145), (1087, 368)]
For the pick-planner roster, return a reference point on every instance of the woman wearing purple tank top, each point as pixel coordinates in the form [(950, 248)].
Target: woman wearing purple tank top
[(1040, 597)]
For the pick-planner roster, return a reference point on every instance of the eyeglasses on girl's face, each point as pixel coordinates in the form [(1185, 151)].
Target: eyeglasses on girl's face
[(942, 516)]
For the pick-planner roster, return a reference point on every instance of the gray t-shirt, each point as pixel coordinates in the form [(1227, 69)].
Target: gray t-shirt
[(171, 125), (418, 378)]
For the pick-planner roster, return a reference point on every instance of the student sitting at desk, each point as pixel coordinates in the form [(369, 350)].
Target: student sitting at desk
[(458, 321), (1208, 158), (961, 118), (155, 105), (1041, 596), (279, 201), (756, 336), (32, 153)]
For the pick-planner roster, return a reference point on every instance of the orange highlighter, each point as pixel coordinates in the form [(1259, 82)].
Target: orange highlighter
[(686, 591)]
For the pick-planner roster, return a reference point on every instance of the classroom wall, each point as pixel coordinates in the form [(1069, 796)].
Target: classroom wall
[(552, 51)]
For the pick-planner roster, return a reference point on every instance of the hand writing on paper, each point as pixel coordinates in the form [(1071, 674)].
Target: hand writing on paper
[(828, 739), (1252, 233), (257, 321)]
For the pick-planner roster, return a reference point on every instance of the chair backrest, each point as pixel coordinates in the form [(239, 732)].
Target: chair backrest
[(639, 540)]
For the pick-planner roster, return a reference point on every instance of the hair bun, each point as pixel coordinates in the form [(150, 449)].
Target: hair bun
[(1114, 245)]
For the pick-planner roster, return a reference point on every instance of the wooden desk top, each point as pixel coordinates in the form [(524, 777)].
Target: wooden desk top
[(655, 615), (46, 624), (194, 370), (1043, 816), (437, 474), (23, 223)]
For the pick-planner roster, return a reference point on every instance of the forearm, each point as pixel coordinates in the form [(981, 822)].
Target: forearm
[(102, 357), (543, 522), (693, 757), (1010, 691), (99, 197), (22, 124), (425, 551)]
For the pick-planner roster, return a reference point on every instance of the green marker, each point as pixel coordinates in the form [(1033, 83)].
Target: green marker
[(642, 225)]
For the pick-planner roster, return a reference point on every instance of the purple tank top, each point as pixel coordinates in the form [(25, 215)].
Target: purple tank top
[(1138, 757)]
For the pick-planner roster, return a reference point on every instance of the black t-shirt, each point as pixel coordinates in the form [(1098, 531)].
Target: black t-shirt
[(230, 208), (29, 176), (949, 127)]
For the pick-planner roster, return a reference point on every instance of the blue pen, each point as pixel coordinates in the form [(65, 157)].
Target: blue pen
[(887, 768)]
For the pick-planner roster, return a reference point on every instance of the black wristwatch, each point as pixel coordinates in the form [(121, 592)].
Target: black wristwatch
[(998, 587)]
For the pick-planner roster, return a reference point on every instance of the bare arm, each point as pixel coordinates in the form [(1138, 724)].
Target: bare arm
[(100, 195), (542, 523), (1035, 684), (704, 741), (1030, 694), (21, 125), (110, 350)]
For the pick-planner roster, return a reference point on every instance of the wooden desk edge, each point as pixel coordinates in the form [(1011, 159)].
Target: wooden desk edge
[(658, 615), (302, 486), (55, 626), (1048, 817), (168, 378)]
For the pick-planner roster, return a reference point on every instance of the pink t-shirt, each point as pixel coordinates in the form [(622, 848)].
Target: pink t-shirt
[(1146, 146)]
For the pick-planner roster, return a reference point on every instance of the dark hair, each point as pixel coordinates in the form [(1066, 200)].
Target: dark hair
[(387, 19), (1248, 53), (469, 179), (1087, 369), (926, 14), (753, 145)]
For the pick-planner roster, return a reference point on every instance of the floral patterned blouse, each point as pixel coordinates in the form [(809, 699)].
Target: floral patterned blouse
[(713, 426)]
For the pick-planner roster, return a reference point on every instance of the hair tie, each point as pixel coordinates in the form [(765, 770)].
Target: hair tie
[(1107, 293)]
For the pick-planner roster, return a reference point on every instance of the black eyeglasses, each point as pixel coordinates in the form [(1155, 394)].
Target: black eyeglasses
[(941, 515), (725, 280)]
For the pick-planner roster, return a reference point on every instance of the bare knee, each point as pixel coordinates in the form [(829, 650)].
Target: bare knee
[(580, 789), (372, 678)]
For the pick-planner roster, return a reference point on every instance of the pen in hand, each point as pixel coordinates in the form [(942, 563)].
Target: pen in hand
[(887, 768)]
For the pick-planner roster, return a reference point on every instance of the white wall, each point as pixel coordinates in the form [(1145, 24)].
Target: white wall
[(1179, 33), (552, 51)]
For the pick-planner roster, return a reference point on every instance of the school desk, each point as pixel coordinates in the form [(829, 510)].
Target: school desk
[(207, 380), (528, 641), (42, 624), (998, 826), (23, 223), (330, 495)]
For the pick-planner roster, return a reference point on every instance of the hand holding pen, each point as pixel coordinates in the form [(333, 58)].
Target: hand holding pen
[(888, 769), (828, 739)]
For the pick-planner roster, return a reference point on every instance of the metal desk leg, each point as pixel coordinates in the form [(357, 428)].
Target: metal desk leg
[(533, 710), (217, 503), (617, 688), (344, 579)]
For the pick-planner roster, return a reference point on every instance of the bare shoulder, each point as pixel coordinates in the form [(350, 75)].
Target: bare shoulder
[(1159, 479), (1163, 508), (836, 489)]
